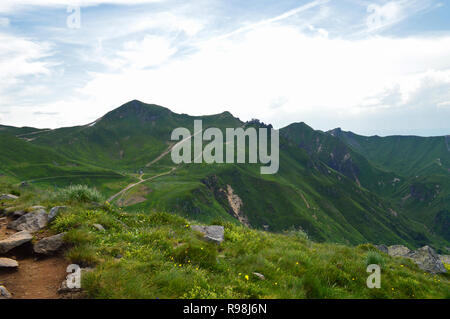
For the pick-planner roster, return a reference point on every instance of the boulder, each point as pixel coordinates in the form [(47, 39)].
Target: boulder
[(31, 222), (8, 263), (99, 227), (427, 259), (398, 251), (49, 245), (8, 196), (382, 248), (213, 234), (54, 212), (14, 241), (34, 208), (4, 293), (18, 214)]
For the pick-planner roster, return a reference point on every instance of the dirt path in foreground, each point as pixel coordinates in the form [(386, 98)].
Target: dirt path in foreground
[(35, 278)]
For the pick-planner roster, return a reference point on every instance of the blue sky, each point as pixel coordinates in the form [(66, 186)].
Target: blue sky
[(373, 67)]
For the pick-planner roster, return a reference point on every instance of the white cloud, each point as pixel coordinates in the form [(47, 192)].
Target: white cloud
[(393, 12), (11, 5)]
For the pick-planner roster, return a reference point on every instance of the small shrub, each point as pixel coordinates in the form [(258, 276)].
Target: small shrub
[(79, 194), (374, 257)]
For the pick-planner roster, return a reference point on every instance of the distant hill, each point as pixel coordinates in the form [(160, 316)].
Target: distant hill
[(326, 185)]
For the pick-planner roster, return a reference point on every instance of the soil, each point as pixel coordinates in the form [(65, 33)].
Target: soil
[(36, 277)]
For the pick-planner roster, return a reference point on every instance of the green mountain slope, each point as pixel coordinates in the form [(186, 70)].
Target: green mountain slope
[(422, 165), (323, 186)]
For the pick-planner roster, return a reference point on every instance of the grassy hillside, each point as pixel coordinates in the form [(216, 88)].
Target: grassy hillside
[(323, 187), (158, 255), (422, 165)]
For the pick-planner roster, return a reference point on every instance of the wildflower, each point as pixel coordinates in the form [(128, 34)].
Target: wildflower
[(276, 284), (179, 265), (296, 263), (353, 278), (392, 289), (401, 266), (240, 274), (246, 277)]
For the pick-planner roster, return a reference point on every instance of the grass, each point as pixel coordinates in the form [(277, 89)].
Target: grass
[(157, 255)]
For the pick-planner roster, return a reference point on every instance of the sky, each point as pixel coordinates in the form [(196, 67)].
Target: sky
[(373, 67)]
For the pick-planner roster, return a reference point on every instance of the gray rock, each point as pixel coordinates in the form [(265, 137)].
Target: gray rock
[(427, 259), (8, 263), (31, 222), (382, 248), (14, 241), (49, 245), (54, 212), (99, 227), (3, 220), (34, 208), (4, 293), (398, 251), (8, 196), (260, 276), (213, 234), (18, 214)]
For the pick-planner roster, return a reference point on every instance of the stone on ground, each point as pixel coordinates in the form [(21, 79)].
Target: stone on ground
[(399, 251), (4, 293), (31, 222), (427, 259), (8, 196), (8, 263), (49, 245), (214, 234), (54, 212), (14, 241), (99, 227)]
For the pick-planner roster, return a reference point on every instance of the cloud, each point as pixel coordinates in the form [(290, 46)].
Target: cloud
[(392, 12), (45, 113), (10, 6)]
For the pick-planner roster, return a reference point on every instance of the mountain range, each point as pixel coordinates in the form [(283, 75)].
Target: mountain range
[(336, 186)]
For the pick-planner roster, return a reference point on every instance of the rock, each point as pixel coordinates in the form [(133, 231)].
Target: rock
[(3, 220), (214, 234), (382, 248), (31, 222), (4, 293), (49, 245), (99, 227), (54, 212), (8, 263), (260, 276), (8, 196), (399, 251), (427, 259), (14, 241), (34, 208), (18, 214)]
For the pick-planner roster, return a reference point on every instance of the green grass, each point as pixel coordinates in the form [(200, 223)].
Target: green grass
[(158, 255)]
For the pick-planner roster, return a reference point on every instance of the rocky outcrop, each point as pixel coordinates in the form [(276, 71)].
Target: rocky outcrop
[(398, 251), (427, 259), (8, 263), (30, 222), (213, 234), (382, 248), (236, 203), (54, 212), (8, 196), (14, 241), (49, 245)]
